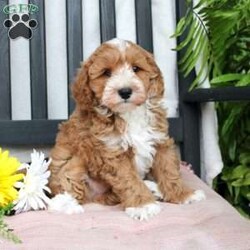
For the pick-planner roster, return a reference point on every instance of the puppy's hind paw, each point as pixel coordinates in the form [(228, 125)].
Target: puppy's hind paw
[(197, 195), (144, 212), (66, 204), (153, 187)]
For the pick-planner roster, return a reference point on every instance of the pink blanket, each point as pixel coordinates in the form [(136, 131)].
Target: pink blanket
[(211, 224)]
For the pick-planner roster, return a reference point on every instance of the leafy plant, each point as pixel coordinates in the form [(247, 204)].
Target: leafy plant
[(234, 133), (5, 232), (217, 35)]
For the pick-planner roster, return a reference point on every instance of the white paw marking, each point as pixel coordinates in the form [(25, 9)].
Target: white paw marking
[(65, 203), (143, 213), (198, 195), (153, 187)]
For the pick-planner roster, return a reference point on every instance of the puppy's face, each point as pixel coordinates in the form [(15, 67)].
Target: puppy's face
[(122, 76)]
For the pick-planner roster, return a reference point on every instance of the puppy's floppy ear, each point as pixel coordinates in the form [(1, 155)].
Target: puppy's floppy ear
[(156, 88), (81, 91)]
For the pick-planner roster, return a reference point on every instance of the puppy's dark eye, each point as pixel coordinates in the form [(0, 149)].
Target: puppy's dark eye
[(107, 72), (136, 69)]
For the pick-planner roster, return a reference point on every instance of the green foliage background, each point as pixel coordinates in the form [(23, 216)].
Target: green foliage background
[(217, 33)]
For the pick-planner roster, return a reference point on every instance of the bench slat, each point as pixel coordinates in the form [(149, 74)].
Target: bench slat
[(107, 19), (44, 131), (190, 113), (218, 94), (144, 24), (5, 99), (39, 109), (74, 42)]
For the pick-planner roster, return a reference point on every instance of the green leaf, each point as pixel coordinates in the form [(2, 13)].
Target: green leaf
[(6, 233), (200, 50), (204, 71), (7, 209), (180, 27), (230, 121), (241, 182), (226, 174), (183, 23), (244, 158), (200, 3), (230, 188), (228, 78), (242, 212), (232, 150), (231, 174), (245, 192), (189, 37), (191, 47), (239, 172), (244, 81), (236, 194)]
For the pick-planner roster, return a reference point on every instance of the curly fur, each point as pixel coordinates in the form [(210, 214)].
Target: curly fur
[(95, 157)]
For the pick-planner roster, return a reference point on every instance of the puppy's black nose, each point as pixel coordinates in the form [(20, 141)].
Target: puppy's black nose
[(125, 93)]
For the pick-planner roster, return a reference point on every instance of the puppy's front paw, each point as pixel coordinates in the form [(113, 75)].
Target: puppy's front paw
[(197, 195), (144, 212), (65, 203)]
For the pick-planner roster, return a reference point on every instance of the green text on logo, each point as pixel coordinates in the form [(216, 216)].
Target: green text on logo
[(20, 8)]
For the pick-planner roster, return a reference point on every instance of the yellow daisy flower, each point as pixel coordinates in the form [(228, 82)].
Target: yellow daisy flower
[(8, 178)]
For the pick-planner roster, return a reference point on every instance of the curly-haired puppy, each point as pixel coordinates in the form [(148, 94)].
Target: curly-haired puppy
[(117, 136)]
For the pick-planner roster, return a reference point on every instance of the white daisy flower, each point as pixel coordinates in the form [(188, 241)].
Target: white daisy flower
[(31, 195)]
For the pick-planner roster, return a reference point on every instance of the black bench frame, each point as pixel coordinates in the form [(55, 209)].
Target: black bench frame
[(40, 130)]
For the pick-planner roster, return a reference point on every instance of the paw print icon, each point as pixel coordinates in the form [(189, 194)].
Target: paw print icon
[(20, 26)]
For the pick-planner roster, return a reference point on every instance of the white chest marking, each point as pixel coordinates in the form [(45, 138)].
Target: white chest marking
[(141, 135)]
